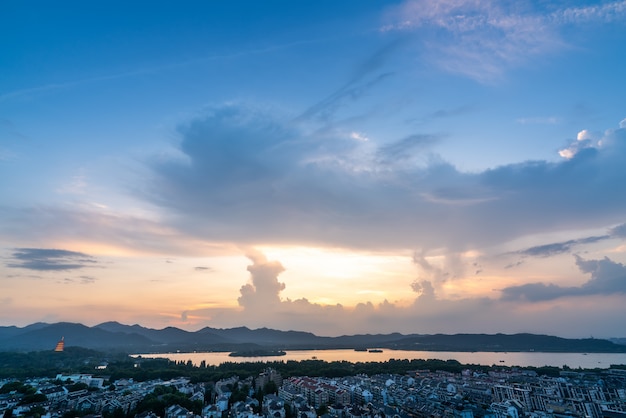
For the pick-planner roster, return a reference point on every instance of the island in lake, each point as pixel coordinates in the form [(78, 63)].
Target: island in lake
[(257, 353)]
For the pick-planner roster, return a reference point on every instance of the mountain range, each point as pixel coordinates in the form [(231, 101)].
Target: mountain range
[(113, 336)]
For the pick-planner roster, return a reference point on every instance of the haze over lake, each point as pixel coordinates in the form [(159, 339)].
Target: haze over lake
[(523, 359)]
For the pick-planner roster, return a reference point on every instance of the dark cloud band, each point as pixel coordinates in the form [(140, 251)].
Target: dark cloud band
[(43, 259)]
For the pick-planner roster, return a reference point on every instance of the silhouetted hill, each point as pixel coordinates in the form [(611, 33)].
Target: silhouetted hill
[(504, 342), (169, 335), (138, 339), (46, 336), (621, 341)]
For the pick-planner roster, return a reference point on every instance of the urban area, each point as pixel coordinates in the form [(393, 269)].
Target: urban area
[(506, 393)]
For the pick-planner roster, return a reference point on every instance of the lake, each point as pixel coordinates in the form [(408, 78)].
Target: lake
[(524, 359)]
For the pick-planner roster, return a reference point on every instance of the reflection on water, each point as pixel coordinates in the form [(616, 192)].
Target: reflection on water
[(534, 359)]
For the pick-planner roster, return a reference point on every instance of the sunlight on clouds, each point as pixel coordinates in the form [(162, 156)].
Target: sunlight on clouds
[(97, 248), (358, 136), (321, 274), (617, 250), (474, 287)]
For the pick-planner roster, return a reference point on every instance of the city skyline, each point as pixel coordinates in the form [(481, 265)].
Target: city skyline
[(338, 168)]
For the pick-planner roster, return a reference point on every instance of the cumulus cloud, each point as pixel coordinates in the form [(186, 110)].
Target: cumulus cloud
[(424, 289), (264, 289), (250, 176), (44, 259), (263, 306), (584, 140), (450, 267), (607, 278)]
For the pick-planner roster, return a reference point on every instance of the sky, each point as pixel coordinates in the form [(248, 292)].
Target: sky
[(346, 167)]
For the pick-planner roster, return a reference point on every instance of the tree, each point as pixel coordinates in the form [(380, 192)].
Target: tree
[(323, 409), (270, 387)]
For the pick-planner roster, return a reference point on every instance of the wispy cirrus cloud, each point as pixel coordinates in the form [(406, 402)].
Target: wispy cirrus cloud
[(79, 280), (482, 38), (606, 12), (538, 120), (366, 76)]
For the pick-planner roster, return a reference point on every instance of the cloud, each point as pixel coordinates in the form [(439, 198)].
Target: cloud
[(618, 231), (366, 76), (112, 232), (607, 278), (42, 259), (450, 268), (423, 288), (604, 13), (406, 148), (549, 120), (87, 279), (549, 250), (261, 305), (584, 140), (482, 38), (250, 176), (264, 289), (79, 280), (443, 114), (478, 39)]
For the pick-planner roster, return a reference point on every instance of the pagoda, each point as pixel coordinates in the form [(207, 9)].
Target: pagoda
[(60, 345)]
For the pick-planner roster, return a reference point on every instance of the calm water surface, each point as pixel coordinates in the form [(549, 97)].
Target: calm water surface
[(533, 359)]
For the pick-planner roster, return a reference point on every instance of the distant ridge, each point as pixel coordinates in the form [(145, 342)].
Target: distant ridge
[(114, 336)]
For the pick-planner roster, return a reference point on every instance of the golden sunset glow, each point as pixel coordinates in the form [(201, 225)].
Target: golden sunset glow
[(354, 167)]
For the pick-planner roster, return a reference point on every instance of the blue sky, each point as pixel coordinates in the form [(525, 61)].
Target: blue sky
[(335, 167)]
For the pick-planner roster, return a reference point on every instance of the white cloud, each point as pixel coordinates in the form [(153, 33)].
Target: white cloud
[(585, 135), (587, 139), (358, 136), (482, 38), (479, 39), (606, 12)]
